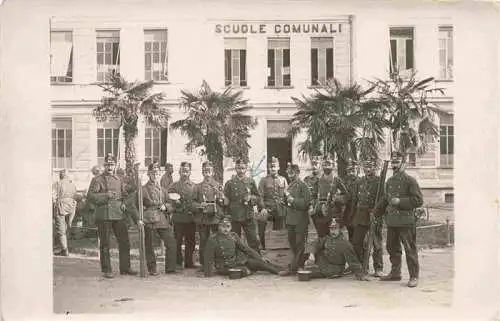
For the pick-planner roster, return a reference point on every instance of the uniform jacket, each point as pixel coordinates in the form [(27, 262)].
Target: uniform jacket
[(296, 213), (406, 188), (364, 199), (350, 182), (226, 252), (165, 181), (326, 189), (107, 208), (183, 211), (272, 190), (154, 196), (237, 190), (332, 253), (211, 192), (63, 194), (312, 181)]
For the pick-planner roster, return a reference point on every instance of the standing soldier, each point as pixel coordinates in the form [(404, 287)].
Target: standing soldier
[(350, 181), (108, 194), (89, 217), (167, 179), (225, 250), (312, 180), (208, 202), (272, 190), (328, 198), (297, 200), (364, 202), (63, 195), (402, 197), (157, 221), (184, 225), (242, 195)]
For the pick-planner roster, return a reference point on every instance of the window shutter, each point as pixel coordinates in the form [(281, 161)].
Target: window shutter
[(270, 67), (409, 53), (314, 66), (394, 54), (329, 63), (227, 67), (243, 70)]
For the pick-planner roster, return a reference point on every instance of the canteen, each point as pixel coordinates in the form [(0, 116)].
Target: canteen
[(235, 274), (304, 275)]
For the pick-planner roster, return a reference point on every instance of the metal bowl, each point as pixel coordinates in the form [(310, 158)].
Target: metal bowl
[(235, 274), (304, 275)]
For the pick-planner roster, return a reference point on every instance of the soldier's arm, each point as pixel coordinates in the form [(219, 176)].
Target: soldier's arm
[(256, 194), (312, 247), (197, 197), (96, 193), (415, 198), (340, 186), (302, 202), (381, 205), (209, 257), (352, 259)]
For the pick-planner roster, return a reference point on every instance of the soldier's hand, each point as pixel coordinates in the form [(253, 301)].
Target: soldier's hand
[(310, 260), (169, 208), (123, 207), (289, 199), (264, 212), (324, 209), (163, 208), (140, 223), (310, 211), (395, 201), (111, 195)]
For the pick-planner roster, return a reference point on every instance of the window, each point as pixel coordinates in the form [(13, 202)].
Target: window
[(321, 60), (107, 142), (155, 55), (155, 145), (61, 56), (446, 53), (278, 62), (446, 141), (108, 53), (235, 60), (401, 52), (62, 141)]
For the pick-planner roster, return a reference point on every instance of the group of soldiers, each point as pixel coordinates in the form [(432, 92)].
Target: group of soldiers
[(343, 211)]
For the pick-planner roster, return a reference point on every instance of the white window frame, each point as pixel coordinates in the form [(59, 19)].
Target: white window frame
[(446, 160), (67, 160), (401, 49), (115, 131), (105, 37), (236, 46), (58, 51), (157, 39), (445, 52), (279, 69), (149, 140), (320, 43)]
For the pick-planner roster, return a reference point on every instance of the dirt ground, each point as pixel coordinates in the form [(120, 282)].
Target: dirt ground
[(79, 288)]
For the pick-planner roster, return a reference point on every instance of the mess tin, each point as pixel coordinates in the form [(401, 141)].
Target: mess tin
[(235, 274), (304, 275)]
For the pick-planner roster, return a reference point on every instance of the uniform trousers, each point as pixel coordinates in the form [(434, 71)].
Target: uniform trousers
[(248, 227), (359, 244), (187, 232), (120, 231), (297, 235), (168, 238), (204, 231), (407, 236)]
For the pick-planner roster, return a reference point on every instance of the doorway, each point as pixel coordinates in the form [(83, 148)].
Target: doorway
[(280, 147)]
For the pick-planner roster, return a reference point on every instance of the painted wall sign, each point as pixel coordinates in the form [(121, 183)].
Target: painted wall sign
[(278, 28)]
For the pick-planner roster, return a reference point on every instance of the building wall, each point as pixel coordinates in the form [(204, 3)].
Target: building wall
[(195, 52)]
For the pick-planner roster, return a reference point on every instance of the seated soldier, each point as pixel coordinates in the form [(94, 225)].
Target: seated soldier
[(226, 250), (331, 253)]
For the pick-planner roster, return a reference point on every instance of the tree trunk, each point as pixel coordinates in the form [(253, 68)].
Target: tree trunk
[(215, 154), (130, 153)]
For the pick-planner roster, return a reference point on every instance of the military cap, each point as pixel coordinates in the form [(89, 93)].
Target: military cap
[(274, 160), (333, 223), (241, 161), (315, 159), (186, 164), (372, 161), (109, 159), (351, 164), (225, 219), (207, 164), (153, 166), (328, 159)]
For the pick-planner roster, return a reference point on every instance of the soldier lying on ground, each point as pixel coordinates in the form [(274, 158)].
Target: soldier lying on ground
[(331, 253), (227, 251)]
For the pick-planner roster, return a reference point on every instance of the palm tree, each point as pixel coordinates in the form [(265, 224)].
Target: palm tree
[(217, 122), (339, 120), (125, 101), (407, 111)]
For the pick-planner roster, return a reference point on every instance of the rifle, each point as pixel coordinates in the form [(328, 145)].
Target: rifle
[(142, 250), (366, 258)]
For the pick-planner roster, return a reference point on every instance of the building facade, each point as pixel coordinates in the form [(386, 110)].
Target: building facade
[(270, 56)]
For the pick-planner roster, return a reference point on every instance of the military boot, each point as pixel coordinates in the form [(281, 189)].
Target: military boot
[(391, 277), (413, 282)]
